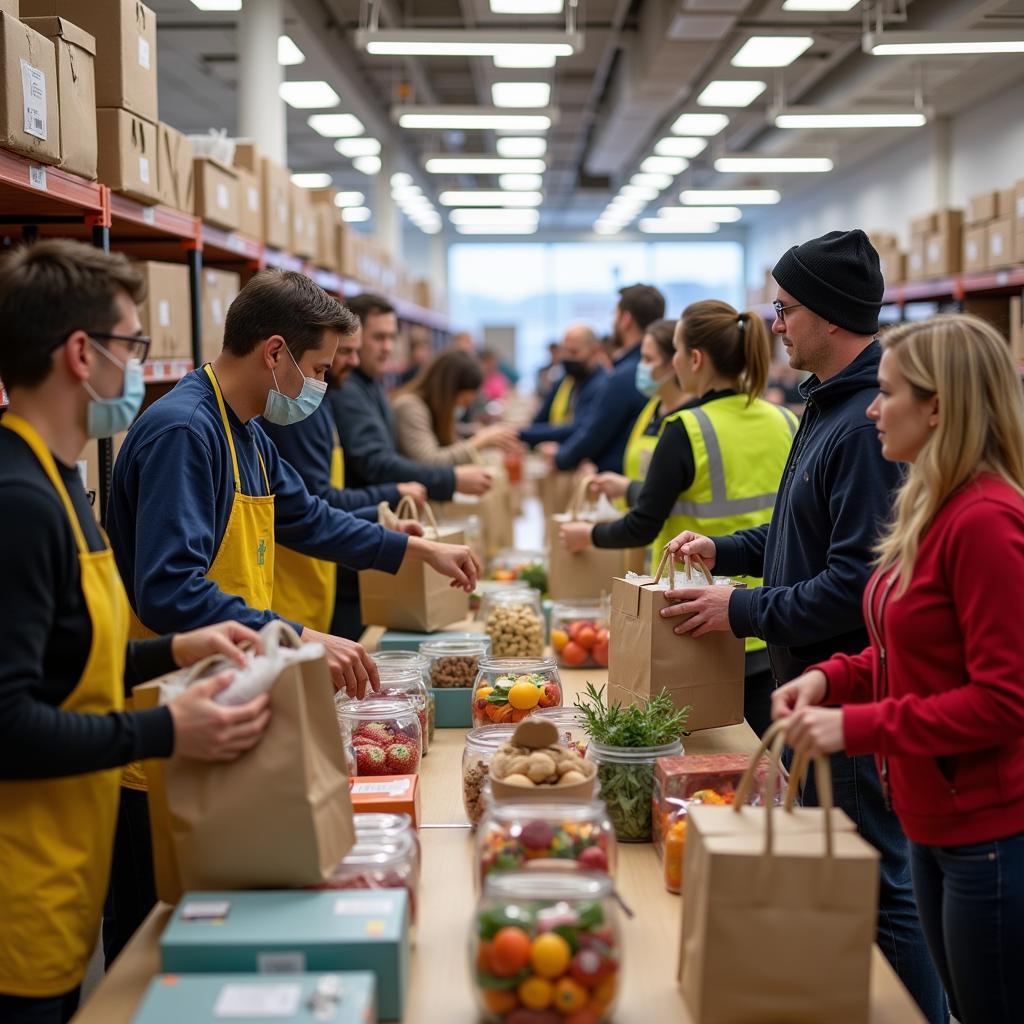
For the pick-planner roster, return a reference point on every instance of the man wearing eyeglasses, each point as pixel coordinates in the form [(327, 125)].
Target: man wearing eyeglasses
[(816, 554)]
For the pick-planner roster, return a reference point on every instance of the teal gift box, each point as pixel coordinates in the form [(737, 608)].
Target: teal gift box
[(294, 931), (347, 997), (393, 640), (454, 707)]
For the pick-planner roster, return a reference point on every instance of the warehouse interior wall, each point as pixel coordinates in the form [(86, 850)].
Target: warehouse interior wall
[(887, 191)]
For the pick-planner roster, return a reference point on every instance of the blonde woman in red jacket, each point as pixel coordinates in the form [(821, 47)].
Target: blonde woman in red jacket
[(938, 697)]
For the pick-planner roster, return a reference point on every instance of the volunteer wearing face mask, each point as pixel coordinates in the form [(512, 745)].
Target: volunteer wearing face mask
[(717, 460), (70, 357)]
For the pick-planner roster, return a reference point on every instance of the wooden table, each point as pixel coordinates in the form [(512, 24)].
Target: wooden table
[(440, 987)]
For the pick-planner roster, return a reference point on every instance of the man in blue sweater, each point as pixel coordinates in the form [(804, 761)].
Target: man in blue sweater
[(816, 554)]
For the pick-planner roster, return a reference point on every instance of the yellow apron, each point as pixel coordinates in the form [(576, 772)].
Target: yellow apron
[(304, 587), (640, 446), (561, 404), (244, 563), (57, 835)]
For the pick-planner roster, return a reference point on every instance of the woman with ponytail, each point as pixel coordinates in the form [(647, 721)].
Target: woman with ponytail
[(938, 696), (718, 459)]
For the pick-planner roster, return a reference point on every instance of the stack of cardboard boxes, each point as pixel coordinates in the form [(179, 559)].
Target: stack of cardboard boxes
[(936, 245), (893, 261), (989, 235), (265, 200)]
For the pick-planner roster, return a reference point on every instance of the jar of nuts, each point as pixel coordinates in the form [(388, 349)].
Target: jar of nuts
[(513, 621), (454, 663), (510, 689), (481, 745)]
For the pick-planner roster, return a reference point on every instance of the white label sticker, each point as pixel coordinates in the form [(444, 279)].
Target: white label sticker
[(144, 169), (258, 1001), (143, 52), (205, 910), (363, 908), (972, 251), (396, 788), (282, 212), (996, 245), (933, 252), (1020, 208), (217, 309), (37, 177), (223, 196), (253, 196), (164, 313), (33, 94), (149, 215), (281, 963)]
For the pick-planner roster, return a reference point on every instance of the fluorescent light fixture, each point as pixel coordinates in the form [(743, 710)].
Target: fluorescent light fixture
[(699, 124), (773, 164), (403, 192), (664, 165), (496, 229), (819, 5), (481, 165), (472, 216), (639, 192), (946, 43), (651, 180), (522, 145), (674, 145), (771, 51), (729, 196), (218, 5), (728, 93), (335, 126), (490, 198), (658, 226), (357, 147), (367, 164), (288, 54), (526, 6), (526, 57), (607, 229), (455, 118), (308, 95), (349, 199), (312, 180), (400, 178), (356, 214), (466, 42), (521, 94), (718, 214), (517, 182), (812, 117)]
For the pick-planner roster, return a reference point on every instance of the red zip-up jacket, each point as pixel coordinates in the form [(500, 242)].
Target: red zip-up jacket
[(938, 696)]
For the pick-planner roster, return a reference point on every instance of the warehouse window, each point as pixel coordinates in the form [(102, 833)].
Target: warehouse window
[(535, 290)]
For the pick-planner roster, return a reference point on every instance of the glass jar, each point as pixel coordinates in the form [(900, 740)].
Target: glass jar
[(411, 659), (627, 785), (510, 689), (579, 633), (379, 864), (453, 664), (384, 733), (406, 684), (487, 587), (514, 622), (480, 746), (387, 828), (510, 835), (571, 725), (529, 566), (546, 941)]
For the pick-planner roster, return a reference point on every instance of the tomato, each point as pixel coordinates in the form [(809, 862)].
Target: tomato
[(573, 654), (510, 951)]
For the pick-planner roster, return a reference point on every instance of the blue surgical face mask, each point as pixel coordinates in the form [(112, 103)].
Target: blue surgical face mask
[(645, 382), (282, 410), (109, 416)]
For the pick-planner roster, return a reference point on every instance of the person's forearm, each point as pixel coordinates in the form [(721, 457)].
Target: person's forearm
[(148, 659)]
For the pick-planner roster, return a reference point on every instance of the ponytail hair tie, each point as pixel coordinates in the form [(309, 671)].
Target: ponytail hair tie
[(741, 322)]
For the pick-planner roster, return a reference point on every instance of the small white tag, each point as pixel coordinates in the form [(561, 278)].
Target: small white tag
[(972, 251), (258, 1001), (253, 196), (223, 196), (149, 215), (363, 908), (163, 313), (217, 309), (143, 52), (996, 245), (205, 910), (144, 169), (396, 788), (281, 963), (1020, 208), (37, 177), (33, 94), (282, 212)]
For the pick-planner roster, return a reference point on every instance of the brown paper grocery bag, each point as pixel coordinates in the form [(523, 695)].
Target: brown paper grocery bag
[(278, 817), (789, 906), (495, 510), (645, 655), (555, 491), (417, 598)]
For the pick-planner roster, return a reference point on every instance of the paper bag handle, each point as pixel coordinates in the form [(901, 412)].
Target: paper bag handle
[(579, 496), (272, 633), (406, 509), (689, 561), (277, 633)]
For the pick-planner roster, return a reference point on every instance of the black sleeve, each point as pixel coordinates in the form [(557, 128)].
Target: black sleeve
[(146, 660), (671, 472)]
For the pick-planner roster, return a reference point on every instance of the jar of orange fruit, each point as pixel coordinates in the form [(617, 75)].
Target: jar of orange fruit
[(579, 633), (509, 689)]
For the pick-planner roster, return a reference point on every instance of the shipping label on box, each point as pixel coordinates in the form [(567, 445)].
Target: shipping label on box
[(216, 194), (175, 173), (944, 253), (29, 111), (1000, 243), (128, 154), (277, 224), (917, 258), (975, 248), (303, 225), (166, 313), (219, 290)]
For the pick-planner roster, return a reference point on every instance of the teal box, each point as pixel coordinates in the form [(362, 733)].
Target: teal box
[(454, 707), (295, 932), (344, 998), (392, 640)]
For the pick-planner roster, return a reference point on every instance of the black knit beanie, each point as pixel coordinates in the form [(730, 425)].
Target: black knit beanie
[(836, 276)]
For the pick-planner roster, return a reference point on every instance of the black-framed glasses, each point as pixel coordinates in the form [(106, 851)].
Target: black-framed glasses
[(139, 343), (780, 309)]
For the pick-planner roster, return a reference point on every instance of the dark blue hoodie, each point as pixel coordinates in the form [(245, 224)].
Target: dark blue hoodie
[(816, 554)]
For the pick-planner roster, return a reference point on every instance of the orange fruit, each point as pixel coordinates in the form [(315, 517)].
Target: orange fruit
[(518, 716), (559, 638), (570, 996), (550, 955), (604, 994), (510, 951), (586, 637), (536, 993), (573, 654), (498, 1001), (499, 713)]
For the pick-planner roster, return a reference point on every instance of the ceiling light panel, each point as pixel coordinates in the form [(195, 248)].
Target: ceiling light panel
[(820, 5), (521, 146), (367, 164), (496, 229), (481, 165), (730, 197), (312, 180), (455, 118), (771, 51), (344, 199), (524, 57), (490, 198), (288, 54), (466, 42), (526, 6), (400, 178), (717, 214), (664, 165), (516, 182), (336, 126), (651, 180), (638, 192), (700, 124), (728, 93), (772, 165), (791, 118), (358, 147), (521, 94), (475, 216), (675, 145), (308, 95), (218, 5), (356, 214), (945, 43), (657, 226)]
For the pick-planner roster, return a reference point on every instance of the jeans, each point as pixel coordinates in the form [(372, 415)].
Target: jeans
[(858, 791), (971, 900), (38, 1010)]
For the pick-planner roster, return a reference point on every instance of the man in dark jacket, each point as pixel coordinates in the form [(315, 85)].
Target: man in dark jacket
[(816, 554)]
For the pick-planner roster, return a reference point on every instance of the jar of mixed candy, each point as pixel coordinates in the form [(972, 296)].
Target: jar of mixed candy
[(384, 733), (379, 864), (571, 725), (511, 835), (514, 622), (480, 746), (546, 944), (509, 689), (579, 633), (411, 659)]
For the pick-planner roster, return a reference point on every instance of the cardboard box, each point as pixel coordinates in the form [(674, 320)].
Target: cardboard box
[(276, 185), (975, 248), (209, 998), (166, 314), (893, 264), (76, 93), (1017, 328), (883, 241), (923, 225), (944, 251), (219, 288), (999, 250), (917, 258), (982, 208), (250, 204), (295, 932), (248, 156), (1005, 202), (127, 154), (216, 193), (303, 223), (125, 34), (29, 110), (387, 794), (175, 179), (325, 219), (10, 7)]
